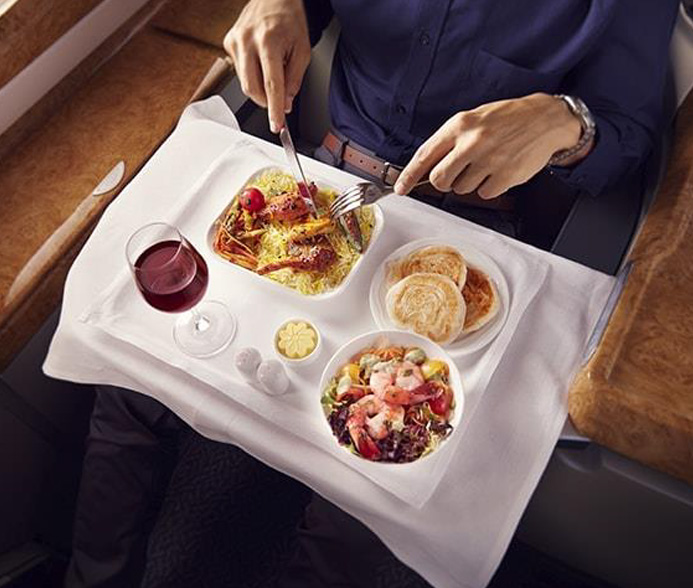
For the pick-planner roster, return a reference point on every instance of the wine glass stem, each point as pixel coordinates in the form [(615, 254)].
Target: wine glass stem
[(201, 321)]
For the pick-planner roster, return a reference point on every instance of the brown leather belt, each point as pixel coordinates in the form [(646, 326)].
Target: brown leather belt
[(387, 173)]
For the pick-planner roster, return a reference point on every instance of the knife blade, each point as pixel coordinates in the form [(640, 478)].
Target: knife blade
[(288, 144), (110, 180)]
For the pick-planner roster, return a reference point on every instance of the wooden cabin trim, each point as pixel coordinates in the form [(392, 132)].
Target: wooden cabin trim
[(29, 27), (121, 107), (635, 395)]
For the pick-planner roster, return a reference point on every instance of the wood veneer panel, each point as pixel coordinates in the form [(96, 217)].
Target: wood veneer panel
[(123, 112), (636, 394), (44, 109), (29, 27), (203, 20)]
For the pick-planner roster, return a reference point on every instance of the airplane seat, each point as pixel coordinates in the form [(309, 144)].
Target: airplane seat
[(313, 109)]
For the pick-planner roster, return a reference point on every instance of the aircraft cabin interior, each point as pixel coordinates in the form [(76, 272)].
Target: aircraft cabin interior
[(315, 293)]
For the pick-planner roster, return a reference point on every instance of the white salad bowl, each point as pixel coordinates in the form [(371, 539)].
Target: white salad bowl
[(403, 338)]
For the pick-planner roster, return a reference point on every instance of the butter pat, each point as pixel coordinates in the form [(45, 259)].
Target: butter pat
[(296, 340)]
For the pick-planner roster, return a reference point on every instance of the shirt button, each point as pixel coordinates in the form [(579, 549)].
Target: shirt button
[(424, 39), (400, 109)]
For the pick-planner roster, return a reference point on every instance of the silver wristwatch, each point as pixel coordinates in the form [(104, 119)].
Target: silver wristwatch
[(589, 128)]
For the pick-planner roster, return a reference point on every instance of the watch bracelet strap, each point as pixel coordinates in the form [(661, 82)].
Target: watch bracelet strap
[(588, 133)]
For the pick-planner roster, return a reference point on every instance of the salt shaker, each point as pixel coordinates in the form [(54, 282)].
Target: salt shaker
[(272, 375), (247, 361)]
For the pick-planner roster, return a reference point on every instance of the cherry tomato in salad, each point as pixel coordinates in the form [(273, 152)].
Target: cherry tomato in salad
[(253, 200), (441, 404), (367, 447)]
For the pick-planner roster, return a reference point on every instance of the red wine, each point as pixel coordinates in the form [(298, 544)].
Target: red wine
[(171, 275)]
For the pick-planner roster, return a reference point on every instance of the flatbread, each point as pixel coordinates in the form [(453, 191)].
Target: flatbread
[(434, 259), (428, 304), (481, 297)]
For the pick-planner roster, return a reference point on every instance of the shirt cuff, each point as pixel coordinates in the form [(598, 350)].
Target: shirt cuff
[(593, 173)]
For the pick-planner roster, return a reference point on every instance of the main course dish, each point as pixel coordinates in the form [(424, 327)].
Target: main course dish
[(434, 292), (268, 229), (390, 404)]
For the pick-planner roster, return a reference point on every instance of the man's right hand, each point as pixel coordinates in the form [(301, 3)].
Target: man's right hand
[(270, 48)]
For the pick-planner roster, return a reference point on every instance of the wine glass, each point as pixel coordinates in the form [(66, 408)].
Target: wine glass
[(172, 277)]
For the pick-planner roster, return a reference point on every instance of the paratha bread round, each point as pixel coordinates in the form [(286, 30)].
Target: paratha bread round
[(428, 304), (481, 297), (433, 259)]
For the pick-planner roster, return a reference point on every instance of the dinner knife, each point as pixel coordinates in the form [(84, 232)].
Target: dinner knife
[(288, 144)]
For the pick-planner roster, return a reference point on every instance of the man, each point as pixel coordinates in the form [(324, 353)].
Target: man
[(478, 96), (464, 91), (459, 91)]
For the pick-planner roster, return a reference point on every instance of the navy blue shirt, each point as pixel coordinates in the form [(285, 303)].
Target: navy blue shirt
[(403, 67)]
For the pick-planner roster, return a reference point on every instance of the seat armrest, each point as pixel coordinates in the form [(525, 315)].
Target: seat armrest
[(598, 231)]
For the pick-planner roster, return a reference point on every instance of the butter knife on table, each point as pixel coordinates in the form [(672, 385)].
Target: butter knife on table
[(347, 222)]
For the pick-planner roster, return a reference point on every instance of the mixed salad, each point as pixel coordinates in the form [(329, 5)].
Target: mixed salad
[(390, 404)]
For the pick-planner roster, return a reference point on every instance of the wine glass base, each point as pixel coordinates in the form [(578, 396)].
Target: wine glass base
[(205, 331)]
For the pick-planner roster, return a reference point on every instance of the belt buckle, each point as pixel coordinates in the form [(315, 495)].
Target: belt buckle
[(383, 174), (339, 156)]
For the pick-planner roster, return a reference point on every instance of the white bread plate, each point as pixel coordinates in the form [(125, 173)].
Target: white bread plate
[(465, 343)]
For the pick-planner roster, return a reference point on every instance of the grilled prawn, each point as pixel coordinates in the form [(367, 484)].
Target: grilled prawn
[(288, 207), (316, 257)]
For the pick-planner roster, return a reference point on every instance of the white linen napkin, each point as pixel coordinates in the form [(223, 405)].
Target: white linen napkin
[(458, 537), (122, 313)]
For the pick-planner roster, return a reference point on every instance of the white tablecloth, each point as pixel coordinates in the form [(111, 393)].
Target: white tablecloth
[(458, 536)]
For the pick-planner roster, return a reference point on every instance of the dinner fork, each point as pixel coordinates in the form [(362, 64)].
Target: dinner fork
[(359, 195)]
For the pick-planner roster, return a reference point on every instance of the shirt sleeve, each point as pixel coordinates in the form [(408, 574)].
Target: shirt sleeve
[(622, 81), (319, 14)]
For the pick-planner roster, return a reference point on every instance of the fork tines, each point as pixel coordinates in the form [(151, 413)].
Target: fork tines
[(347, 201)]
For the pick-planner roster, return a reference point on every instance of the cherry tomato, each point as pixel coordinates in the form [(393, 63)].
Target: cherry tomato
[(367, 448), (252, 200), (440, 405)]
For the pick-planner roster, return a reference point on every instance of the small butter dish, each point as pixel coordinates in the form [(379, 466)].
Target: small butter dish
[(297, 342)]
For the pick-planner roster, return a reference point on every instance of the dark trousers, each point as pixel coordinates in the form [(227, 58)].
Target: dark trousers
[(131, 450), (334, 550), (160, 506)]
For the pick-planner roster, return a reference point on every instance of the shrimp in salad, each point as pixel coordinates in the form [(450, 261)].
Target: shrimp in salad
[(370, 420), (390, 404)]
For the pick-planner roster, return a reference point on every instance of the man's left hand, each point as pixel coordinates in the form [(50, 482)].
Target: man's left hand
[(494, 147)]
